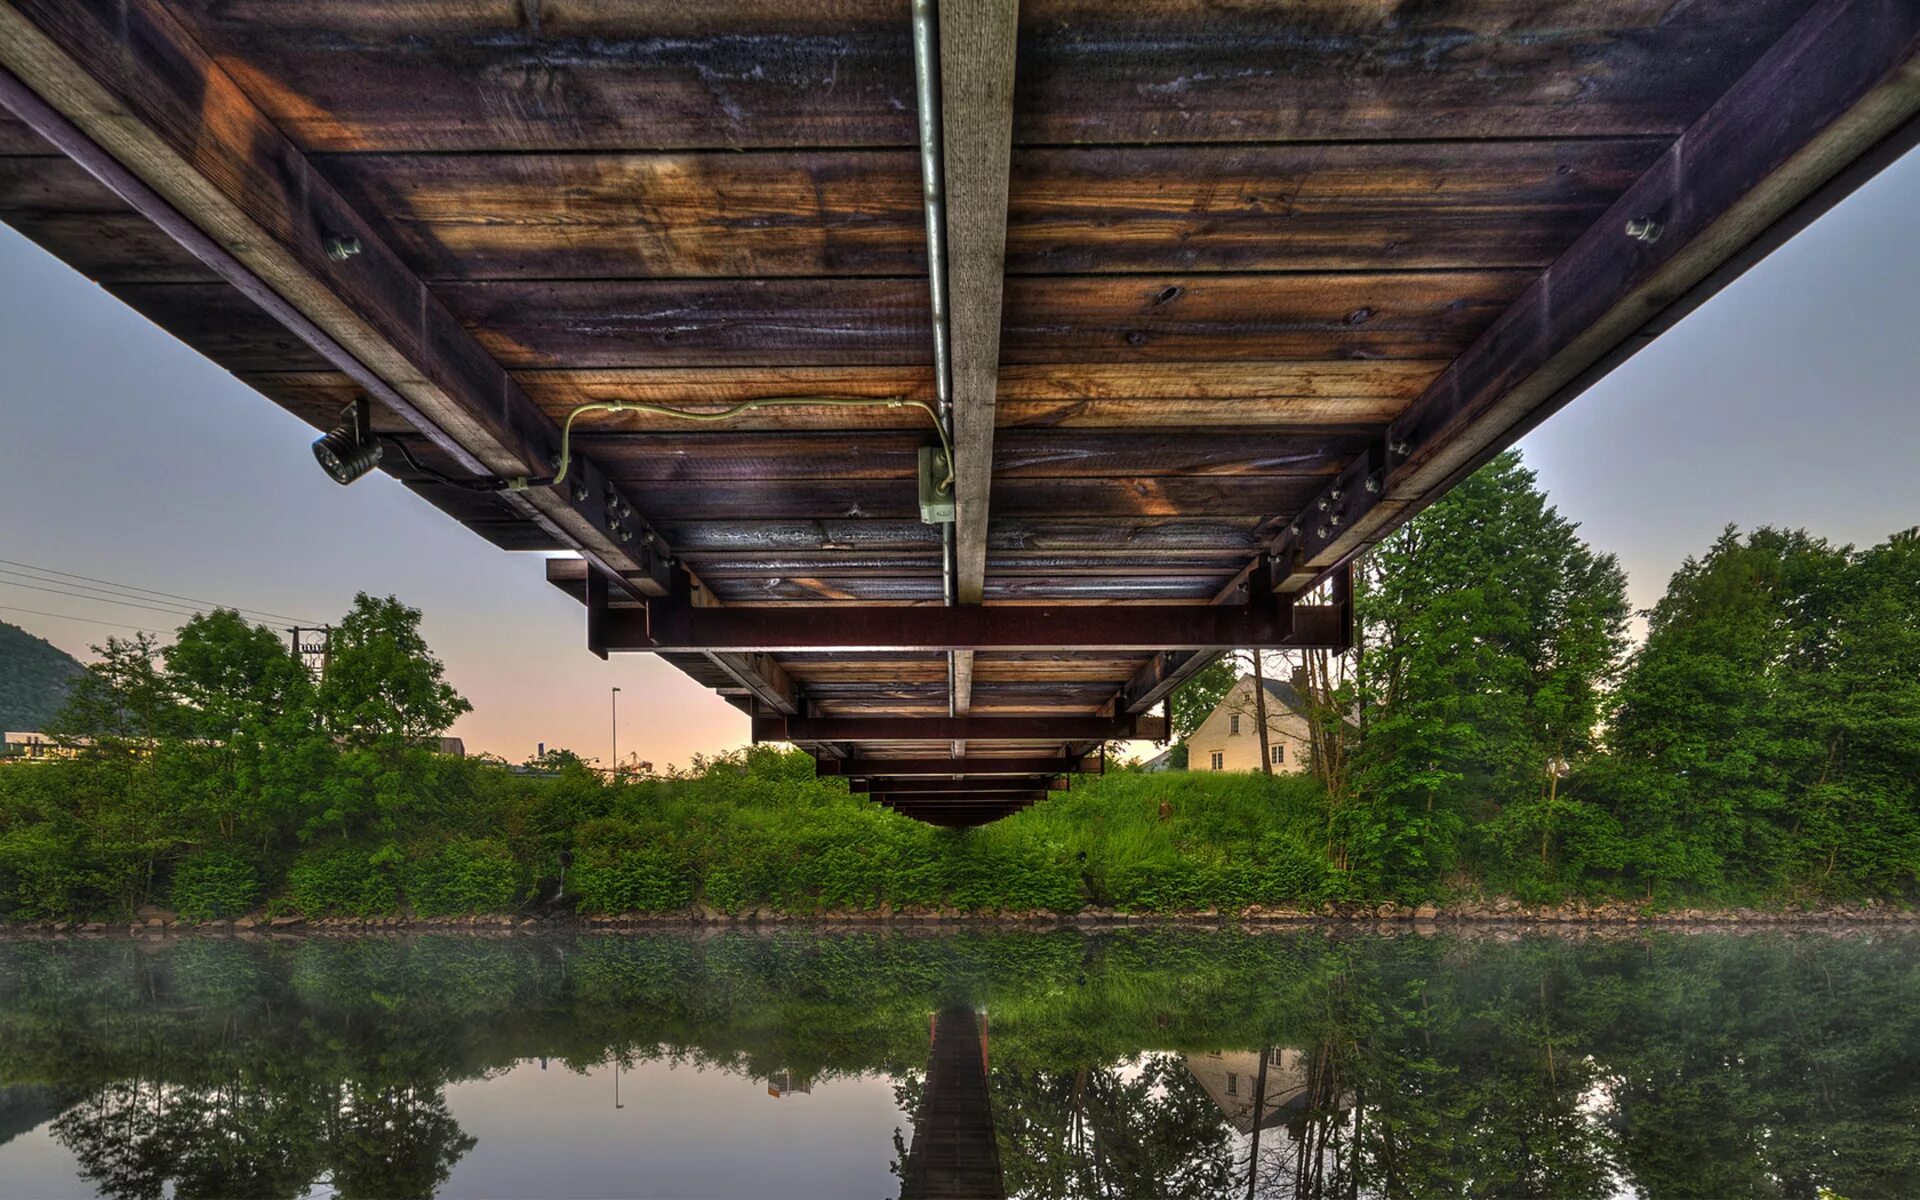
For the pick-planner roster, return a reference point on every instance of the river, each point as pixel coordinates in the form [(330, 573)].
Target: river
[(1152, 1061)]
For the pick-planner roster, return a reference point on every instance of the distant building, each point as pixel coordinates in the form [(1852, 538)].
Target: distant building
[(452, 747), (1229, 739), (784, 1083), (1231, 1079), (36, 747)]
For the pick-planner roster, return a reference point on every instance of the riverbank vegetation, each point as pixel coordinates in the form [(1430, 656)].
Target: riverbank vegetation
[(1494, 731)]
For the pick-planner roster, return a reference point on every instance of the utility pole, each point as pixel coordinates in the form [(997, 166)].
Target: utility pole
[(615, 699)]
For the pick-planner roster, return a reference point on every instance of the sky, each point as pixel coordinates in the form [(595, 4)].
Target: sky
[(1791, 399)]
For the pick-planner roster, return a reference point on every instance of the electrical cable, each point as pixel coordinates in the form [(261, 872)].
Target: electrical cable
[(471, 485), (82, 620), (169, 610), (146, 592), (662, 410)]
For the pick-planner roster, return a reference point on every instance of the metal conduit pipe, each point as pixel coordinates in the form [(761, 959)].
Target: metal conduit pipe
[(926, 86)]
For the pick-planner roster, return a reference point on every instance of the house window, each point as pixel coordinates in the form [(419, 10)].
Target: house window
[(1273, 1057), (1233, 1084), (1233, 723), (1217, 761), (1278, 753)]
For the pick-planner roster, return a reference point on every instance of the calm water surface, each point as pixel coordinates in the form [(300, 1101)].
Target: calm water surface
[(1153, 1062)]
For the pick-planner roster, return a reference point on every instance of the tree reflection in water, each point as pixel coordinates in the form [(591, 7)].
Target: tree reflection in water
[(1150, 1062)]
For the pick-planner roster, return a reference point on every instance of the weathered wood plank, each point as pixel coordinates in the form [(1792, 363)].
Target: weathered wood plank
[(1842, 80), (558, 76), (1416, 314), (125, 90), (1070, 210), (1364, 206), (111, 248), (1146, 396), (1124, 539), (1269, 70), (854, 499), (509, 216), (914, 563), (608, 323), (827, 587), (883, 321), (977, 43), (1018, 454)]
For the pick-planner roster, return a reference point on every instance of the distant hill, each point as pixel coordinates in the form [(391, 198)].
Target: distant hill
[(34, 678)]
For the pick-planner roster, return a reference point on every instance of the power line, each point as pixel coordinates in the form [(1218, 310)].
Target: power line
[(171, 612), (128, 587), (82, 620)]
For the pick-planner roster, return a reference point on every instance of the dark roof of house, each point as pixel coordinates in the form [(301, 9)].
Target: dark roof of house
[(1283, 692)]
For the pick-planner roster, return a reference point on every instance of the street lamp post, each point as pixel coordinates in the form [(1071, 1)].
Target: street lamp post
[(615, 700)]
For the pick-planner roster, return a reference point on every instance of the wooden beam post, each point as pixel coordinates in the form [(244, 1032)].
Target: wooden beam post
[(126, 92), (977, 40), (662, 627), (1839, 90)]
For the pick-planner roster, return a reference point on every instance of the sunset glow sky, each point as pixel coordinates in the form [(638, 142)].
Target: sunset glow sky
[(1793, 398)]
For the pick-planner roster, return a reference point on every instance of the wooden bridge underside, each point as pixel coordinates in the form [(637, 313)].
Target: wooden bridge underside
[(1232, 290)]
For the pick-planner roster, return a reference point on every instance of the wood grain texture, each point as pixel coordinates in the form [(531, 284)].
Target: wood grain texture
[(1311, 316), (514, 216), (977, 47), (1840, 81), (858, 500), (127, 91), (1146, 396), (842, 322), (612, 323), (1192, 71), (1070, 210), (1363, 206), (569, 76), (1017, 454), (343, 77)]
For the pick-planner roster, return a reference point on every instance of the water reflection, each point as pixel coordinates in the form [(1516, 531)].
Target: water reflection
[(1144, 1063)]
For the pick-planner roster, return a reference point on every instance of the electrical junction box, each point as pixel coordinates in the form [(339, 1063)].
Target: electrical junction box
[(936, 502)]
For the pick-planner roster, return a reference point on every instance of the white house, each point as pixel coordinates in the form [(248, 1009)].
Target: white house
[(1229, 739)]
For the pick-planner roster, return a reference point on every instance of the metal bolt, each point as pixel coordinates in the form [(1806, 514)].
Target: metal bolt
[(626, 535), (1334, 494), (1294, 529), (1334, 520), (1373, 484), (1321, 503), (1645, 229), (341, 247), (580, 493), (1320, 532), (1400, 448)]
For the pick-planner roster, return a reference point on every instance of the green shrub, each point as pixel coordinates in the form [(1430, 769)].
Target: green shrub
[(214, 885), (724, 890), (470, 875), (621, 867), (348, 881)]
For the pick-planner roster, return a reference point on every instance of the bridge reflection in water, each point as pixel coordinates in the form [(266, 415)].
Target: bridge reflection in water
[(954, 1154)]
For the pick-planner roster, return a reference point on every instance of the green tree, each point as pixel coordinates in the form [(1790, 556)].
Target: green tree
[(247, 707), (1490, 631), (1765, 736), (383, 687), (1202, 692)]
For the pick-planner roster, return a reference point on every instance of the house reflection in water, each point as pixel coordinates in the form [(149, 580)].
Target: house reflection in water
[(785, 1083), (1234, 1081)]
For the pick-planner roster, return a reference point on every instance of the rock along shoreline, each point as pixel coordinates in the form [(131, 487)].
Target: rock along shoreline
[(1502, 912)]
